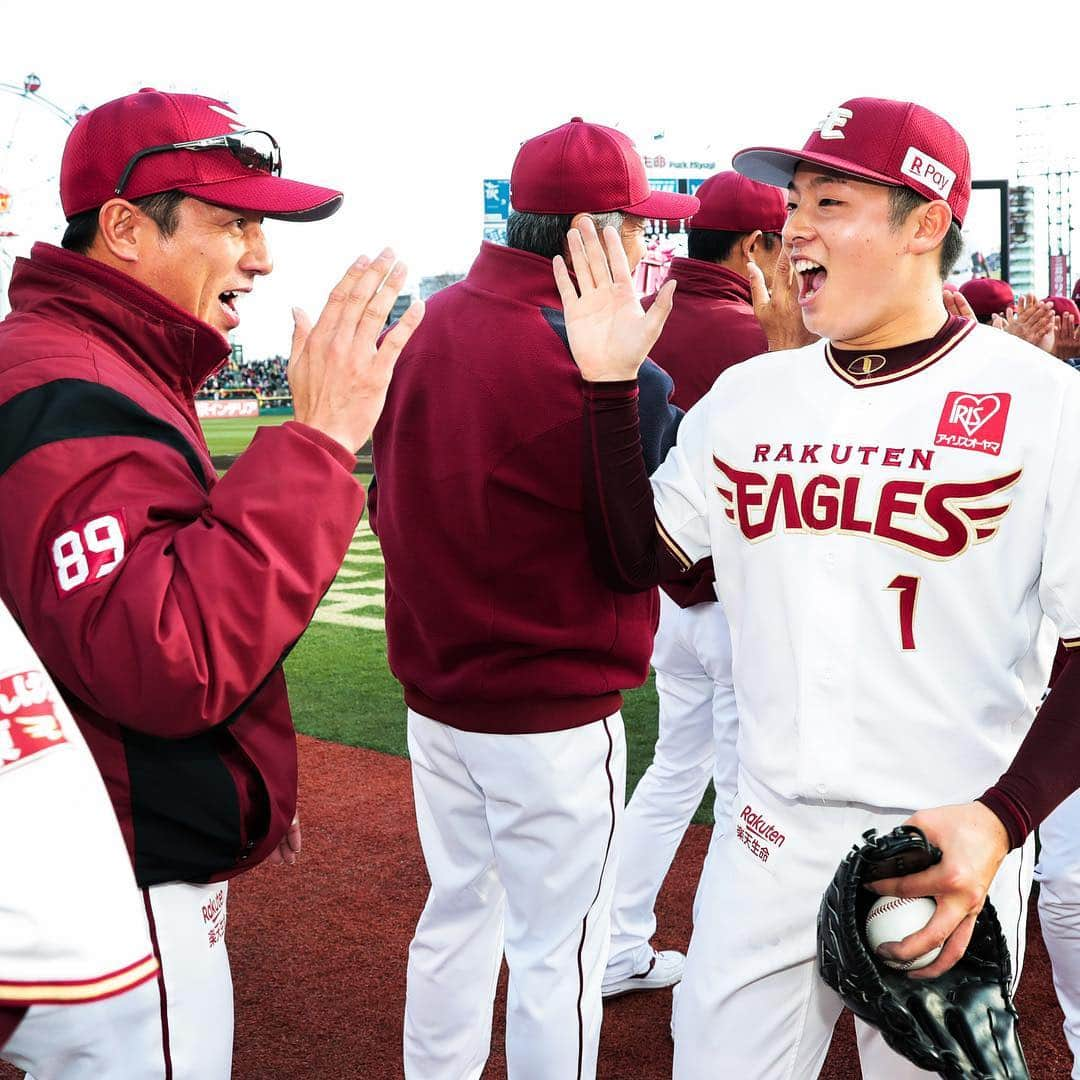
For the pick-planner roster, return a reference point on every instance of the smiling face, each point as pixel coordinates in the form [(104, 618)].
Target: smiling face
[(855, 277), (212, 258)]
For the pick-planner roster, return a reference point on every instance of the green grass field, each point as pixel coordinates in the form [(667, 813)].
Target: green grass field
[(339, 682), (231, 435)]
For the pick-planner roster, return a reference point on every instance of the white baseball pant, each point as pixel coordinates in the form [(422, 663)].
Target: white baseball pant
[(699, 724), (1058, 874), (179, 1025), (751, 1001), (518, 833)]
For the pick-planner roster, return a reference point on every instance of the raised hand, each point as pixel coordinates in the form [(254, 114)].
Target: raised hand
[(956, 304), (609, 332), (339, 372), (1067, 337), (777, 305), (1032, 320)]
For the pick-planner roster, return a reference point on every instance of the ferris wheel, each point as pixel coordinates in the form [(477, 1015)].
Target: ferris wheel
[(33, 130)]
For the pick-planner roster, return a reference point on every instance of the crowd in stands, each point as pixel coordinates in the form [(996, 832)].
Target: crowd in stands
[(264, 378)]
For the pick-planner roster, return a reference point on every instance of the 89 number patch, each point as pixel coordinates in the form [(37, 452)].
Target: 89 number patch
[(88, 551)]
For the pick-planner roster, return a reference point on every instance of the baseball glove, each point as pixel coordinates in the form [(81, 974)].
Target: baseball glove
[(963, 1024)]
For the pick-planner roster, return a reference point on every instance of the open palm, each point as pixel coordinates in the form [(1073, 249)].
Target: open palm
[(610, 334)]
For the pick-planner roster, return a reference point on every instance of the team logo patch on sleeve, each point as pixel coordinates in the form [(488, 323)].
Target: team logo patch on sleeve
[(973, 422), (28, 720)]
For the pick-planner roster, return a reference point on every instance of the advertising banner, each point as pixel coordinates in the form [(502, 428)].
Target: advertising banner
[(496, 200), (227, 407), (1059, 275)]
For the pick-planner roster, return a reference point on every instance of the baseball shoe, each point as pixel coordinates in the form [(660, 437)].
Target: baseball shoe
[(665, 969)]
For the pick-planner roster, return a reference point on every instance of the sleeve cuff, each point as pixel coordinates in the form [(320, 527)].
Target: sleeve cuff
[(331, 446), (623, 388), (1013, 816)]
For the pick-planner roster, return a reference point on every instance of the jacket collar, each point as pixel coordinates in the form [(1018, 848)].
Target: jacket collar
[(709, 279), (519, 275), (149, 331)]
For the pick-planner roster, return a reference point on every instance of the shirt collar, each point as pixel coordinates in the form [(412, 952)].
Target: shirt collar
[(860, 367)]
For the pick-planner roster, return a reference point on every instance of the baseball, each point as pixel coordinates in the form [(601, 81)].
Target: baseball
[(892, 918)]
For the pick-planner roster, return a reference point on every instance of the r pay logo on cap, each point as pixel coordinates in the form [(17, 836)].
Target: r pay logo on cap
[(928, 171)]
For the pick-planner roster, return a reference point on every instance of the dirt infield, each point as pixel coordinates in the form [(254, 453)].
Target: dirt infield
[(318, 950)]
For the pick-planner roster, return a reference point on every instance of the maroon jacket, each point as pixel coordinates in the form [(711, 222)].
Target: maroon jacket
[(161, 600), (711, 327), (495, 618)]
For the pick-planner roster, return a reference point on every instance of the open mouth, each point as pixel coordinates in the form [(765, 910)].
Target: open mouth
[(811, 278), (227, 300)]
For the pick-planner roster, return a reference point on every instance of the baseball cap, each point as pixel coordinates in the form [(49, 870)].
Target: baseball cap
[(987, 296), (889, 142), (587, 168), (104, 141), (730, 202), (1064, 306)]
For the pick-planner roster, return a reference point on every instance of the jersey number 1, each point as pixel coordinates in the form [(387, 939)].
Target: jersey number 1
[(907, 589)]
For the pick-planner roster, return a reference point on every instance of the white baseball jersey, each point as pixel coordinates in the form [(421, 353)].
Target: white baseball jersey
[(72, 924), (885, 551)]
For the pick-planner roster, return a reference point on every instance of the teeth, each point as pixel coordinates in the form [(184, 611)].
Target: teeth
[(803, 265)]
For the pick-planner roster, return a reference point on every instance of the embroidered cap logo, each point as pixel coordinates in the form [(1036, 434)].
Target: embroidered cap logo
[(234, 121), (831, 125)]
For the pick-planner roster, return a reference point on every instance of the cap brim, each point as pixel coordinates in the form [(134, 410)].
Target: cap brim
[(271, 196), (665, 205), (771, 165)]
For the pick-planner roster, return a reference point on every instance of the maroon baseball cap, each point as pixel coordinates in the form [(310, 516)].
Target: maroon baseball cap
[(987, 296), (1063, 305), (889, 142), (103, 142), (730, 202), (586, 168)]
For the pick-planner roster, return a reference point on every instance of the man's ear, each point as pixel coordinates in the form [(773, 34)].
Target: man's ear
[(931, 225), (749, 244), (123, 230)]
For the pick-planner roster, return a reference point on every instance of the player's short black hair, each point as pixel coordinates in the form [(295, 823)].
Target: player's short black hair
[(715, 245), (162, 208), (902, 201)]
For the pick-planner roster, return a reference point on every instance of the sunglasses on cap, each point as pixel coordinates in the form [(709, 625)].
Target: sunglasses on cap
[(253, 149)]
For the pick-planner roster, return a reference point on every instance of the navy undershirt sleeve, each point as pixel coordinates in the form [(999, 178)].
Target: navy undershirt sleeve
[(658, 418)]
